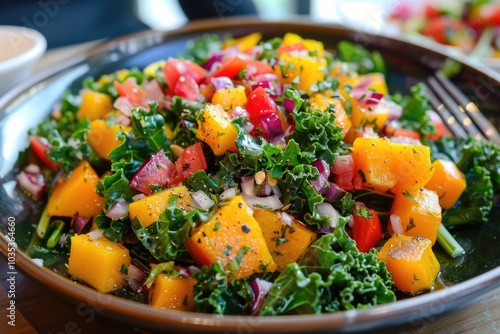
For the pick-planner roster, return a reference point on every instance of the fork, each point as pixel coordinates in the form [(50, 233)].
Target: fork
[(460, 114)]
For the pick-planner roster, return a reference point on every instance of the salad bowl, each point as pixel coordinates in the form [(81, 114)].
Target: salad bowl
[(462, 280)]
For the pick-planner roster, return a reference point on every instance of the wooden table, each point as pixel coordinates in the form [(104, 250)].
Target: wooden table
[(40, 311)]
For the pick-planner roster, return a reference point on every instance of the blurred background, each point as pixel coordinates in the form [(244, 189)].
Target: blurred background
[(471, 26)]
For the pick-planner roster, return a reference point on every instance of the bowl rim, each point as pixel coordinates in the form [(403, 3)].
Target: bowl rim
[(131, 312), (32, 54)]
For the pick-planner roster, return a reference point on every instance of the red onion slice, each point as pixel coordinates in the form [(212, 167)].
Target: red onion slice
[(118, 210), (260, 289), (269, 202)]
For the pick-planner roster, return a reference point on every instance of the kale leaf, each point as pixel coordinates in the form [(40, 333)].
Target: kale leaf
[(479, 161), (364, 60), (330, 280)]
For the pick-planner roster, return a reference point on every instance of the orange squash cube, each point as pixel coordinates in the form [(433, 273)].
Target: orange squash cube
[(420, 213), (448, 182), (94, 106), (175, 293), (102, 137), (304, 71), (216, 129), (230, 98), (411, 262), (226, 234), (98, 262), (412, 166), (76, 195), (148, 209), (286, 243)]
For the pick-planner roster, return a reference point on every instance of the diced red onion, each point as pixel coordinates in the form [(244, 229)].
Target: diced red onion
[(327, 210), (324, 173), (269, 202), (185, 272), (124, 105), (79, 224), (228, 193), (272, 127), (397, 226), (276, 191), (32, 180), (260, 289), (249, 127), (138, 197), (369, 133), (285, 217), (95, 234), (135, 277), (332, 192), (365, 84), (123, 120), (216, 58), (248, 185), (405, 140), (350, 222), (270, 82), (395, 110), (366, 97), (265, 190), (118, 210), (239, 111), (202, 200), (288, 105), (222, 83)]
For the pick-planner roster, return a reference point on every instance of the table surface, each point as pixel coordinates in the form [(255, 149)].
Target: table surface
[(40, 311)]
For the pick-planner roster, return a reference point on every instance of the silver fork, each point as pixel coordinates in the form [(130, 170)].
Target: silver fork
[(460, 114)]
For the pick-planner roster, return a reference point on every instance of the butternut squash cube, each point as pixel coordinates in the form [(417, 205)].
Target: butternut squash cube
[(94, 106), (420, 213), (102, 137), (243, 43), (304, 71), (224, 237), (216, 129), (286, 243), (373, 162), (411, 262), (98, 262), (412, 166), (448, 182), (148, 209), (322, 102), (174, 293), (365, 117), (76, 195)]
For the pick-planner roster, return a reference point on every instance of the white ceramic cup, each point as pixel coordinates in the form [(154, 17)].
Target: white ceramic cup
[(20, 48)]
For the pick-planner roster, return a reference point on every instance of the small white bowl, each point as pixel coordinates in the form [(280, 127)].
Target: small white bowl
[(20, 48)]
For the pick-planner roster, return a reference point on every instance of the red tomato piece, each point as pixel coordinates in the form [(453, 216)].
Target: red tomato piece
[(131, 91), (157, 171), (366, 230), (191, 160), (175, 68), (291, 47), (257, 67), (230, 67), (187, 88), (259, 104), (41, 147)]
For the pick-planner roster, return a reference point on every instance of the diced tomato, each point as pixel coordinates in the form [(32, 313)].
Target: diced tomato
[(343, 169), (191, 160), (441, 28), (291, 47), (406, 133), (259, 104), (187, 88), (230, 67), (157, 171), (175, 68), (366, 230), (41, 147), (441, 129), (131, 91), (431, 10), (257, 67)]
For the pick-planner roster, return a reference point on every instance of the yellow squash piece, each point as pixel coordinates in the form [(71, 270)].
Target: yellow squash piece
[(286, 243), (303, 71), (102, 137), (175, 293), (101, 263), (215, 129), (148, 209), (230, 98), (94, 105), (244, 43), (76, 195), (226, 235), (448, 182), (411, 262), (419, 211)]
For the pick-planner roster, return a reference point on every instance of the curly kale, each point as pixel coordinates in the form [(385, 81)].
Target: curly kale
[(479, 161), (331, 276)]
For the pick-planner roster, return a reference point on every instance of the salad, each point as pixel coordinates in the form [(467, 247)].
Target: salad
[(253, 177)]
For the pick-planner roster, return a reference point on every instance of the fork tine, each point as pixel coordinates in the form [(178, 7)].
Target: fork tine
[(470, 108), (449, 120)]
